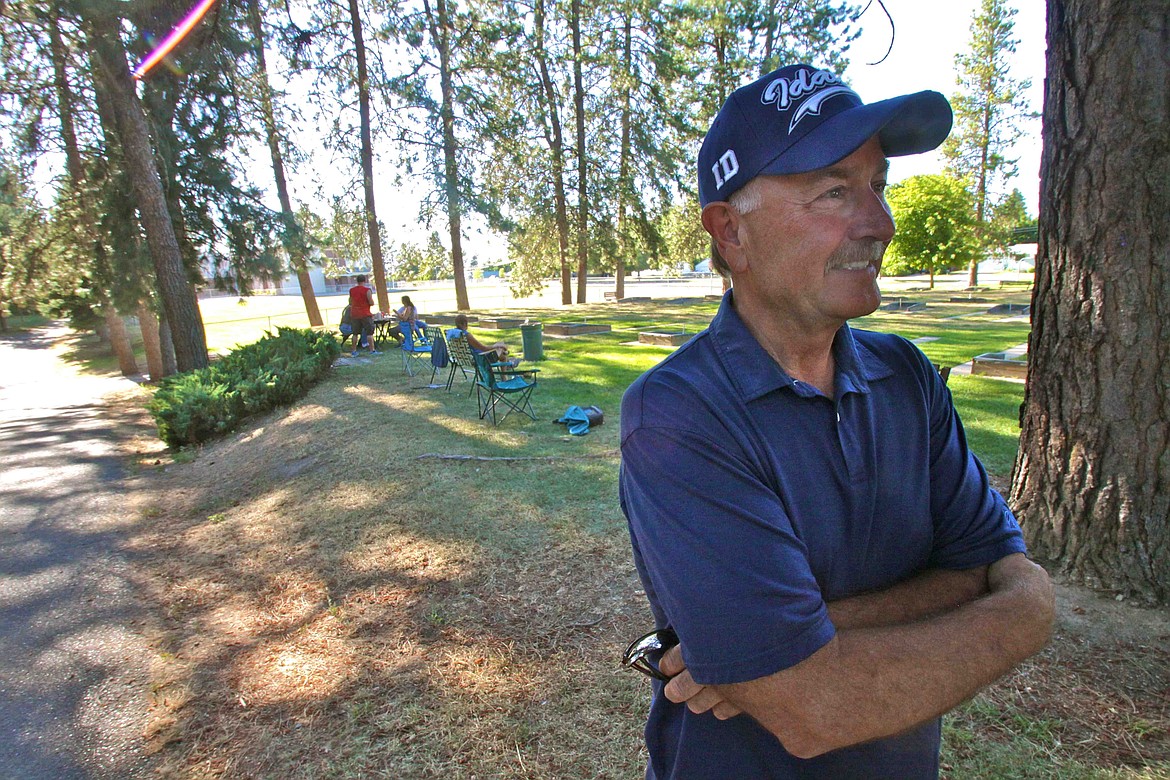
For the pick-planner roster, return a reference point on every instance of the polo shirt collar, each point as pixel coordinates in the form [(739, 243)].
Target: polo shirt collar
[(754, 373)]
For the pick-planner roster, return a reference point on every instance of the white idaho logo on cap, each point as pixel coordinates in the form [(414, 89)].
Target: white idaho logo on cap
[(811, 87), (726, 167)]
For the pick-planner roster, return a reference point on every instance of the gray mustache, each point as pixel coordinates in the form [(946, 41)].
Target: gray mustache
[(856, 252)]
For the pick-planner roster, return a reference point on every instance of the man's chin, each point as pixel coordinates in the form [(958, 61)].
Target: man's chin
[(863, 305)]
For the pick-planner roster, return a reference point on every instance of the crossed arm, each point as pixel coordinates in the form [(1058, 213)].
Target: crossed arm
[(900, 657)]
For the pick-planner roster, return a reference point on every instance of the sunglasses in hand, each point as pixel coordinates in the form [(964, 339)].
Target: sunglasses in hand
[(646, 651)]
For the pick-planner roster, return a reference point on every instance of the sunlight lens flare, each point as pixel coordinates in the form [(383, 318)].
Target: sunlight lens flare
[(177, 35)]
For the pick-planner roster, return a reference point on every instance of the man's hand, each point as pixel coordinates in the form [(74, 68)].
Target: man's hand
[(885, 677), (683, 688)]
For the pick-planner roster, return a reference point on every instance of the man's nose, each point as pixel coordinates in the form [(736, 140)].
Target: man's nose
[(874, 220)]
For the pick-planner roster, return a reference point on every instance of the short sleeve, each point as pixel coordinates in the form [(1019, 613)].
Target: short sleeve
[(973, 524), (726, 567)]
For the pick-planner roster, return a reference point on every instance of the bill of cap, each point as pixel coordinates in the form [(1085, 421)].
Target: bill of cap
[(910, 124)]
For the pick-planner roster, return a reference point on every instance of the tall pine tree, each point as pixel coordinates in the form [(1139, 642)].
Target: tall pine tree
[(990, 109)]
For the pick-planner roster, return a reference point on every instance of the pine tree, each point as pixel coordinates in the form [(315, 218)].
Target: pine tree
[(292, 236), (990, 110), (1091, 484)]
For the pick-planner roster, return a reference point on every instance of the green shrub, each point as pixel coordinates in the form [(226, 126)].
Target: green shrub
[(195, 406)]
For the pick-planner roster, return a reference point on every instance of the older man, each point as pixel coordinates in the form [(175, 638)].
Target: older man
[(804, 510)]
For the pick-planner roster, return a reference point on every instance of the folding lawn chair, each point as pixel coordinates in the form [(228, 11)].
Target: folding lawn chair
[(459, 353), (497, 383), (440, 356), (415, 348)]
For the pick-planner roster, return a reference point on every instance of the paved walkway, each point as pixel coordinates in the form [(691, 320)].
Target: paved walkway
[(75, 675)]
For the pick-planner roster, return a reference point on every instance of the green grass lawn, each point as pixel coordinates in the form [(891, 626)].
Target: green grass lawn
[(231, 321), (21, 322), (596, 369)]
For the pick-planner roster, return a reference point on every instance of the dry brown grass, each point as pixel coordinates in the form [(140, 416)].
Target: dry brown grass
[(330, 606)]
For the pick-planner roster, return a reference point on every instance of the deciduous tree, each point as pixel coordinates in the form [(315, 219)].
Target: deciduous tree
[(936, 226)]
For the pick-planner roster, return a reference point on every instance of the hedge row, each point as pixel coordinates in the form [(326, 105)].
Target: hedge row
[(195, 406)]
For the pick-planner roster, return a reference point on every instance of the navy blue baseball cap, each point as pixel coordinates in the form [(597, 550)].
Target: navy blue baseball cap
[(799, 118)]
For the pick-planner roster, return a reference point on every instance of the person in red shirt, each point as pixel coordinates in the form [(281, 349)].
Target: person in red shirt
[(361, 313)]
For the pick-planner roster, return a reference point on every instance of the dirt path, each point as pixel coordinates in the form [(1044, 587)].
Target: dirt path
[(74, 681)]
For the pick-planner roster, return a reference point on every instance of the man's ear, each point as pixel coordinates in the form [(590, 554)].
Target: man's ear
[(723, 223)]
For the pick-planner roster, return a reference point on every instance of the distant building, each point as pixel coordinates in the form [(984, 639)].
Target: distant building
[(343, 273)]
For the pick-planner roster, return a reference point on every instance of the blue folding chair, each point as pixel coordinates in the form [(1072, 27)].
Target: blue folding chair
[(416, 349)]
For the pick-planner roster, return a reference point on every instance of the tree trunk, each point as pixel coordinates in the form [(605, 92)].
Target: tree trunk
[(166, 345), (582, 157), (557, 148), (120, 341), (148, 324), (1092, 478), (64, 95), (115, 327), (294, 241), (178, 297), (625, 185), (981, 200), (372, 228), (440, 35)]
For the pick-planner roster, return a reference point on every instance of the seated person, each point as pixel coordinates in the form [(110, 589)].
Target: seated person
[(390, 331), (407, 313), (499, 349)]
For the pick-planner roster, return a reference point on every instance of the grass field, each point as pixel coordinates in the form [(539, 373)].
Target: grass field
[(374, 583)]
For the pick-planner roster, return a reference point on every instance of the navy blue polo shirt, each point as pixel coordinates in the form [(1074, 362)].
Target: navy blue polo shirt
[(753, 499)]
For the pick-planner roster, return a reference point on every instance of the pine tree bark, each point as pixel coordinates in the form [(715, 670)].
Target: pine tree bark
[(1092, 478), (176, 292), (556, 141), (148, 324), (625, 185), (166, 345), (74, 166), (120, 341)]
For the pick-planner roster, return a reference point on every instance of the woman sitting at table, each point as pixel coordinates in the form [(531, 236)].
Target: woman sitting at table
[(499, 349), (408, 315)]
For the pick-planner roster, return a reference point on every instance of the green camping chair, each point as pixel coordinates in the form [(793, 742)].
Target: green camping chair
[(497, 383)]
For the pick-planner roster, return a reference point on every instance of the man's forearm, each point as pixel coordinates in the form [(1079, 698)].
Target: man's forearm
[(930, 593), (923, 595), (874, 682)]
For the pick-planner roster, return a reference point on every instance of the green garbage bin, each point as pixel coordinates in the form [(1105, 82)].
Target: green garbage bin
[(533, 335)]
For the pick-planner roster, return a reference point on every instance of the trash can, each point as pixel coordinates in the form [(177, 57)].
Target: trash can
[(533, 335)]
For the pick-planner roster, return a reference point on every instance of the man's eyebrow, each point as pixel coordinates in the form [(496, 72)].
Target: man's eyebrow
[(841, 172)]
